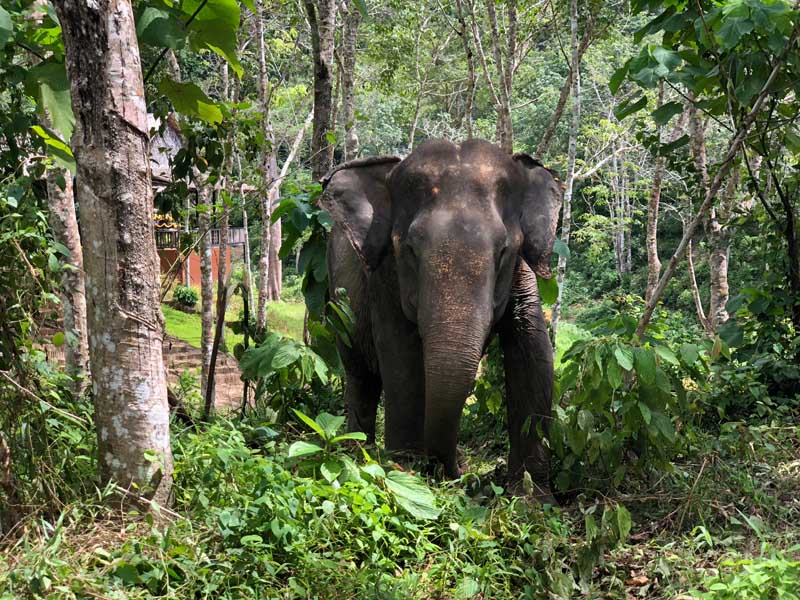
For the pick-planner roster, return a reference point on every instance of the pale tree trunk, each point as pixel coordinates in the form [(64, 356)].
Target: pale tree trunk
[(698, 302), (718, 256), (206, 281), (321, 18), (555, 118), (269, 170), (572, 150), (222, 263), (351, 21), (469, 99), (504, 66), (64, 225), (115, 196), (653, 261), (719, 241)]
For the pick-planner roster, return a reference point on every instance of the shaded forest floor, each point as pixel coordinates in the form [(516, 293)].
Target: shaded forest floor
[(250, 522)]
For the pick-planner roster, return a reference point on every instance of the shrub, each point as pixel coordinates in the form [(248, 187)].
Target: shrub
[(185, 296)]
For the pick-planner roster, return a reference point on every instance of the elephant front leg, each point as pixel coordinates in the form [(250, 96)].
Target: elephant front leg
[(528, 362), (362, 393)]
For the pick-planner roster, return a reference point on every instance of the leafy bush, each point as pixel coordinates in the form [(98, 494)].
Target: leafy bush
[(185, 296), (624, 404), (777, 576)]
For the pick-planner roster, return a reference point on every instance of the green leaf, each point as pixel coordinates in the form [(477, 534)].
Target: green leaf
[(689, 353), (362, 8), (468, 588), (359, 436), (585, 420), (301, 449), (214, 28), (618, 77), (624, 356), (160, 27), (58, 339), (665, 112), (6, 27), (251, 540), (374, 470), (732, 30), (625, 108), (412, 495), (623, 522), (48, 83), (647, 414), (329, 423), (56, 148), (667, 354), (644, 361), (190, 100), (128, 573), (548, 289), (310, 422), (330, 136), (561, 248), (667, 149)]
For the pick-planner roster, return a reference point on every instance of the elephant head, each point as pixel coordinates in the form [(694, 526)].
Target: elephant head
[(454, 219)]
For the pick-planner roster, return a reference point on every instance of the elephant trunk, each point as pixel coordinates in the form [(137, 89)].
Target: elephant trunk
[(452, 351)]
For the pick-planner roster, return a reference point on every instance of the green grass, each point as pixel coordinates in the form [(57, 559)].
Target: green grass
[(283, 317)]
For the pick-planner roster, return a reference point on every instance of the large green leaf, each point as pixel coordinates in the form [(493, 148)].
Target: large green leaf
[(190, 100), (548, 289), (48, 83), (329, 423), (626, 108), (160, 27), (412, 495), (301, 449), (56, 148), (214, 28), (316, 427), (664, 113), (6, 27), (644, 361)]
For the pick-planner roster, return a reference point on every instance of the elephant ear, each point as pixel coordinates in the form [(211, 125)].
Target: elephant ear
[(539, 216), (357, 197)]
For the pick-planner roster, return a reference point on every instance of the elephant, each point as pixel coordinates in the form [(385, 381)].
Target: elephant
[(437, 253)]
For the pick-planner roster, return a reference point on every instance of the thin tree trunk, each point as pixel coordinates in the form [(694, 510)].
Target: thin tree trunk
[(505, 130), (572, 150), (469, 98), (321, 17), (115, 195), (555, 118), (351, 21), (719, 242), (698, 302), (64, 225), (206, 282), (651, 237)]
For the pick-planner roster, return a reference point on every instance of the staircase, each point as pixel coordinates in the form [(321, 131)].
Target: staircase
[(179, 357)]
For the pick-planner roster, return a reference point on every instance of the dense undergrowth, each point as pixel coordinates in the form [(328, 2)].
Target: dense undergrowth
[(292, 511)]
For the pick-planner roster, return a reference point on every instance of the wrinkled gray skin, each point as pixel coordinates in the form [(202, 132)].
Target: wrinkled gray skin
[(438, 253)]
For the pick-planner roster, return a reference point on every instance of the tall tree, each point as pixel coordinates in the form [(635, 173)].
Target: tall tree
[(64, 225), (115, 195), (206, 202), (351, 19), (572, 150), (321, 16)]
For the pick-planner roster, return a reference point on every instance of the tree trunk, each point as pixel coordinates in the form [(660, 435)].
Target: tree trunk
[(206, 282), (505, 129), (351, 21), (115, 195), (64, 225), (275, 266), (698, 302), (469, 99), (321, 18), (719, 242), (572, 150), (555, 119)]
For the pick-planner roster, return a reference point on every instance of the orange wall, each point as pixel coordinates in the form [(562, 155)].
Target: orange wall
[(168, 256)]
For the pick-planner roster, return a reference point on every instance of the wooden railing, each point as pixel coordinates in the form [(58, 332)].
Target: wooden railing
[(169, 238)]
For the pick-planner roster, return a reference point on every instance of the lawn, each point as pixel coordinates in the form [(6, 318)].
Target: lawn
[(283, 317)]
